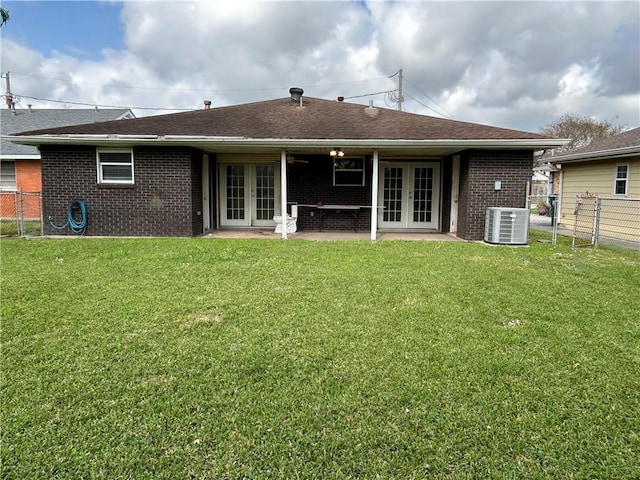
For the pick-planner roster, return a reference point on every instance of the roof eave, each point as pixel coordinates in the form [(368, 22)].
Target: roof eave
[(598, 155), (188, 140)]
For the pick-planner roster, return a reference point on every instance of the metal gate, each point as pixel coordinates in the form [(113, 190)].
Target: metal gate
[(585, 220)]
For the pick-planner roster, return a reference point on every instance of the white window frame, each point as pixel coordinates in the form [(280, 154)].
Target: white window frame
[(13, 187), (339, 170), (617, 179), (101, 163)]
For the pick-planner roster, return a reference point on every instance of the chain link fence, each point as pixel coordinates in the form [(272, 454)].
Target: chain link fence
[(612, 221), (594, 221), (20, 213)]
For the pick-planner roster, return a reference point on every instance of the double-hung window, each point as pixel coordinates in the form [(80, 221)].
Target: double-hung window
[(621, 179), (8, 175), (115, 166)]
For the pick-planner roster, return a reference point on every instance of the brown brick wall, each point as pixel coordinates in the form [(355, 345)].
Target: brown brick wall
[(312, 182), (478, 172), (196, 193), (161, 203)]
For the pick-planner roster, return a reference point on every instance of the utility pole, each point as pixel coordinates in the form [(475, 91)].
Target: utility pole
[(8, 96), (400, 96)]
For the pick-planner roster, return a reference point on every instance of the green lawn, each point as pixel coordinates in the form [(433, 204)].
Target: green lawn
[(211, 358)]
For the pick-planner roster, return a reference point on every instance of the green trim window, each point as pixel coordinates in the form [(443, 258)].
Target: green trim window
[(348, 171), (115, 166), (621, 181)]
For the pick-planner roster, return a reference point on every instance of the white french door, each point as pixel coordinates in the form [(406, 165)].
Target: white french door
[(249, 194), (410, 195)]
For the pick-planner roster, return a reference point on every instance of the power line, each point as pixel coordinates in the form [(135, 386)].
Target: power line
[(104, 106), (229, 90), (427, 106), (427, 95), (368, 94), (392, 97)]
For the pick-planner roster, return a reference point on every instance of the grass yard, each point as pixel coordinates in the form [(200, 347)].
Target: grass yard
[(212, 358)]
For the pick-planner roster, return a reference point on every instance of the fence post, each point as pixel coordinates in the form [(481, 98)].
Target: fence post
[(21, 229), (16, 209), (554, 227), (41, 213), (596, 223), (576, 215)]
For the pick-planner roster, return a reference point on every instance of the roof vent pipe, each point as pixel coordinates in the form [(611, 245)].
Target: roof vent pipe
[(296, 95), (207, 104), (29, 107)]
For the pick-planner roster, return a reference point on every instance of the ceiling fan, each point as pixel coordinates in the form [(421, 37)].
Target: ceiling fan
[(291, 160)]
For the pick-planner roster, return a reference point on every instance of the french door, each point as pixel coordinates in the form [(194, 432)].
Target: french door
[(410, 195), (249, 194)]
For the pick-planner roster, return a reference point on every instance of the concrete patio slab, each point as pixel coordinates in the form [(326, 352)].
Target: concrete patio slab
[(333, 236)]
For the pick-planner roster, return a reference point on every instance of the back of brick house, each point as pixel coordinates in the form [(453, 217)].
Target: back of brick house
[(344, 166)]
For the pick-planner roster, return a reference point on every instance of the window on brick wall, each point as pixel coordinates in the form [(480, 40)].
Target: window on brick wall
[(8, 175), (621, 179), (115, 166), (348, 171)]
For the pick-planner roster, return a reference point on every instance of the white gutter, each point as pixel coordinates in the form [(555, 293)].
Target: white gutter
[(9, 156), (611, 153), (78, 136), (282, 142), (137, 137)]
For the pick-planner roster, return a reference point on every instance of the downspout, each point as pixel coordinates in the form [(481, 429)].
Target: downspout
[(374, 196), (283, 192)]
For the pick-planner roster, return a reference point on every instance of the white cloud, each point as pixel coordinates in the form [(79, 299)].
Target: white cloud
[(512, 64)]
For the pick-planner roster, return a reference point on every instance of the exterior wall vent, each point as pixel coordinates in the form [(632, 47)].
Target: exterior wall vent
[(507, 226)]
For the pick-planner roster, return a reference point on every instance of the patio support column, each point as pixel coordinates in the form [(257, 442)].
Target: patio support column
[(283, 191), (374, 196)]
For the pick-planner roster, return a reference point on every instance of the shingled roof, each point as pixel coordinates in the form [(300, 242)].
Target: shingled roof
[(623, 144), (282, 119), (19, 120)]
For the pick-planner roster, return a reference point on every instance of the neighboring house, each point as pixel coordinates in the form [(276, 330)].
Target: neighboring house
[(239, 166), (20, 164), (609, 169), (539, 187)]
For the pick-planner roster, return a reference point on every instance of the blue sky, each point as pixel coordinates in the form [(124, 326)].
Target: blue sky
[(74, 28), (513, 64)]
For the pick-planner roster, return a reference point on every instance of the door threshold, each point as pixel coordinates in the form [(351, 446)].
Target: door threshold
[(409, 230), (252, 229)]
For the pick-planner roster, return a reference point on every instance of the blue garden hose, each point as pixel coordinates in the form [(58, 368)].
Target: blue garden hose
[(77, 226)]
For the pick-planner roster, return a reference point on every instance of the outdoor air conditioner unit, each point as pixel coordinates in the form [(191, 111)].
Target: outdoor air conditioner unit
[(507, 226)]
